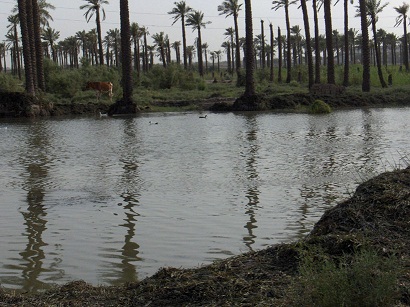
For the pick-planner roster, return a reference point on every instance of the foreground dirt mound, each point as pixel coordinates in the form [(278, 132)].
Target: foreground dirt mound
[(380, 208), (377, 215)]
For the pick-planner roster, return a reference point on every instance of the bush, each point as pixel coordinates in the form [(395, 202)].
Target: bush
[(319, 107), (10, 83), (364, 279)]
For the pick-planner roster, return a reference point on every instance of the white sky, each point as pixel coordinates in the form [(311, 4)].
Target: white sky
[(68, 18)]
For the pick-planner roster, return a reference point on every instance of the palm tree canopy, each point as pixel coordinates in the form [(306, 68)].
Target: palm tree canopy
[(180, 10), (195, 19), (402, 11), (229, 8), (44, 8), (92, 6), (277, 4)]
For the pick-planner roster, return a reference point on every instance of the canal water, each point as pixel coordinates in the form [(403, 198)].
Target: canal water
[(112, 200)]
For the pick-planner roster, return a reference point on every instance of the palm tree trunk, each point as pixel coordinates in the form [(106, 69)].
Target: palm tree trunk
[(346, 46), (377, 52), (288, 48), (308, 48), (250, 82), (271, 77), (39, 56), (184, 42), (200, 61), (26, 47), (406, 52), (317, 45), (126, 59), (279, 56), (329, 42), (365, 46), (100, 46), (238, 47)]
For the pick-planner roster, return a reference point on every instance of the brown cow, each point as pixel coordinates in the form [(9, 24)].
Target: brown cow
[(100, 88)]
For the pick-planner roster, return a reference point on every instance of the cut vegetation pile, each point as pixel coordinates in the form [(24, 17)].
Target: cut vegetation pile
[(358, 253)]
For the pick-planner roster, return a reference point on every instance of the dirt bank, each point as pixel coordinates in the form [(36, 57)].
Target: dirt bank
[(22, 105), (377, 215)]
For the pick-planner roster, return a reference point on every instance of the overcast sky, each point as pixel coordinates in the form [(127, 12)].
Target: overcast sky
[(68, 18)]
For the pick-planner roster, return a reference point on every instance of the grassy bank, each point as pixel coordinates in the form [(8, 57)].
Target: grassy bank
[(174, 89), (356, 255)]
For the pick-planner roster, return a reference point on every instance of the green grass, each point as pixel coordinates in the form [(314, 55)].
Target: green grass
[(362, 279)]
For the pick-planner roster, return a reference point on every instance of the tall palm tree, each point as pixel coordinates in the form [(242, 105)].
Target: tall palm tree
[(136, 36), (365, 46), (374, 7), (177, 47), (95, 7), (13, 35), (279, 40), (195, 19), (227, 46), (205, 47), (230, 32), (317, 43), (159, 42), (308, 47), (82, 37), (402, 18), (180, 12), (346, 41), (126, 59), (277, 4), (26, 48), (51, 36), (250, 65), (232, 8), (329, 42)]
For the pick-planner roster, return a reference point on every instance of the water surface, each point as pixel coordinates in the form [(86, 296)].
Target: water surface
[(113, 200)]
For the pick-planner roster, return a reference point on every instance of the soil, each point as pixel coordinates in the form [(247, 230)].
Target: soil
[(22, 105), (377, 215)]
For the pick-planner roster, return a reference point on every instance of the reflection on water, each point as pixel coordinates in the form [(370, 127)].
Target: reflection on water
[(112, 200)]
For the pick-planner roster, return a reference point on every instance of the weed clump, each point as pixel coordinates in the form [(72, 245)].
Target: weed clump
[(320, 107)]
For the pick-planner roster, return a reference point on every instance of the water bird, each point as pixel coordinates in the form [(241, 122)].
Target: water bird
[(153, 123), (103, 114), (203, 116)]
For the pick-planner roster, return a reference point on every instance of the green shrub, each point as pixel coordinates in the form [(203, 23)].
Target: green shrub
[(319, 107), (10, 83), (364, 279), (294, 83)]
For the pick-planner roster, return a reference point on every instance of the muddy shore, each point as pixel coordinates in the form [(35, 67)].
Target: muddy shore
[(376, 216), (22, 105)]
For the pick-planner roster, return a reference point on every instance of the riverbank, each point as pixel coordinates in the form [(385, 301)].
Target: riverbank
[(375, 219), (18, 104)]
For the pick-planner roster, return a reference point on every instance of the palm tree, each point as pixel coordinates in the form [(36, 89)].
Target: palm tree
[(317, 45), (250, 82), (365, 46), (51, 36), (95, 7), (230, 32), (308, 47), (159, 42), (205, 47), (13, 36), (402, 18), (82, 36), (285, 4), (180, 11), (126, 58), (177, 47), (391, 39), (374, 7), (30, 89), (227, 46), (136, 36), (232, 8), (195, 19), (346, 41), (329, 42), (279, 39)]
